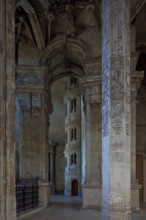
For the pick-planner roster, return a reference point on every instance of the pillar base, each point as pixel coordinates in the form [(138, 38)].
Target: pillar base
[(92, 196), (135, 204), (116, 215), (44, 193)]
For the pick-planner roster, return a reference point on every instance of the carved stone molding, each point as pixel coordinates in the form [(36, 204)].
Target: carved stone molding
[(93, 67), (25, 109), (91, 89), (30, 77)]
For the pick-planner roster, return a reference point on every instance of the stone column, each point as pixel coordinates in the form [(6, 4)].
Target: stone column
[(52, 171), (93, 129), (7, 111), (51, 166), (116, 112), (136, 78), (91, 89), (34, 102)]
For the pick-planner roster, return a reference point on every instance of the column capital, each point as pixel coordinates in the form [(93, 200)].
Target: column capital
[(91, 88)]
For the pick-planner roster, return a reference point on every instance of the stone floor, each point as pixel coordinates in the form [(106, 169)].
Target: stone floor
[(64, 208)]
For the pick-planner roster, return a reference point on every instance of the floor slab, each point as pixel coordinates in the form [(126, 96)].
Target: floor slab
[(70, 208)]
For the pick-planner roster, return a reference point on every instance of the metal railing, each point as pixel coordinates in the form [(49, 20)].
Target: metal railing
[(26, 194)]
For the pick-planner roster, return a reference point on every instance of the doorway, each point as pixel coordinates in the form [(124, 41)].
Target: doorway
[(74, 188)]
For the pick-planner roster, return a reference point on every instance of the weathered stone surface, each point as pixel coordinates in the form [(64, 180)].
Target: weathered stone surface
[(7, 111), (136, 79), (116, 131), (33, 100), (66, 36), (91, 88)]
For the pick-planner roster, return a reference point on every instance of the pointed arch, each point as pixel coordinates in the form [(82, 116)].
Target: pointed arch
[(32, 16)]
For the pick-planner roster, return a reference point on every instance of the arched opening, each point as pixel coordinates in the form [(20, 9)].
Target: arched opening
[(65, 137)]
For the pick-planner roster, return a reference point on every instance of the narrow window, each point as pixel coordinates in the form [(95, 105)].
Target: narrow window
[(72, 159), (75, 159), (75, 105), (75, 134)]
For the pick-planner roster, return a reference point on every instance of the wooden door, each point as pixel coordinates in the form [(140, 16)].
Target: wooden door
[(139, 174), (74, 188)]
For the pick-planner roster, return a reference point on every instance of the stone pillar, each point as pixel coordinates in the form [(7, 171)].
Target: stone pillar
[(52, 171), (44, 192), (116, 112), (91, 89), (51, 166), (135, 84), (33, 96), (136, 78), (7, 111)]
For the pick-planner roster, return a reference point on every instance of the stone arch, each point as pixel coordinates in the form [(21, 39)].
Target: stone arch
[(61, 71), (64, 45), (27, 7), (65, 58)]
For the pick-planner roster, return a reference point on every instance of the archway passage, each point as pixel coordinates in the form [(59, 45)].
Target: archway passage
[(74, 188)]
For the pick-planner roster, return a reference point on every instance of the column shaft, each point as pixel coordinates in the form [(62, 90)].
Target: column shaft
[(93, 142), (45, 138), (7, 111), (116, 131), (91, 88), (92, 97), (136, 79), (133, 138)]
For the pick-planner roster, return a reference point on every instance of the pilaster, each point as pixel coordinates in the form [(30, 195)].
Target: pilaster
[(7, 111), (34, 101), (136, 79), (52, 150), (91, 88), (91, 91)]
